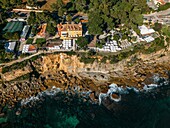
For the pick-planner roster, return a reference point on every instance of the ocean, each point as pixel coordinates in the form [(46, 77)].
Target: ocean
[(147, 109)]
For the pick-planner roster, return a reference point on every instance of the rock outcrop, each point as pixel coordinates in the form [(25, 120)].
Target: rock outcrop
[(68, 73)]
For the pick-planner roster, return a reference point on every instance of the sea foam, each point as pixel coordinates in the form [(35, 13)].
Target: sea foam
[(39, 96), (114, 89)]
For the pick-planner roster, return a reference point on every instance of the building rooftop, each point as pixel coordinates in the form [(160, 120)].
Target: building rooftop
[(28, 48), (43, 29), (13, 26), (53, 44), (25, 31), (149, 39), (10, 46), (70, 27), (162, 2), (144, 30)]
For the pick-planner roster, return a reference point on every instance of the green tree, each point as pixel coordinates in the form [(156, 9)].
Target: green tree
[(12, 36), (100, 43), (158, 26), (19, 2), (5, 3), (2, 17), (81, 5), (58, 6), (69, 18), (166, 30), (77, 20), (32, 2), (82, 42), (51, 29), (15, 36), (104, 15), (61, 12), (32, 18), (95, 23), (13, 2), (91, 52)]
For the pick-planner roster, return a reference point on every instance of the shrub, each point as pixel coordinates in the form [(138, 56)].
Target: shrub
[(87, 60), (104, 59), (164, 7), (29, 41), (71, 53), (40, 42), (157, 26)]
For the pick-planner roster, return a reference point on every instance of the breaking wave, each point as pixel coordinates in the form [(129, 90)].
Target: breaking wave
[(120, 107), (114, 89)]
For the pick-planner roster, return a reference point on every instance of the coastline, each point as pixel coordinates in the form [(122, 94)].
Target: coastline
[(68, 73)]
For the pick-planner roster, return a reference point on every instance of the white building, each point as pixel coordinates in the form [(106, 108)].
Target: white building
[(53, 46), (10, 46), (24, 32), (67, 44), (149, 39), (110, 46), (28, 48), (146, 31)]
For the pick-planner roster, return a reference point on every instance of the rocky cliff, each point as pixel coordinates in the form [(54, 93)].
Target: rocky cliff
[(68, 73)]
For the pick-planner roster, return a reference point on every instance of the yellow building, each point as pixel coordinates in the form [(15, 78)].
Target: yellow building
[(69, 31)]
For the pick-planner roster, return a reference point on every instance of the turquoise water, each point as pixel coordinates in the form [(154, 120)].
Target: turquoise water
[(143, 110)]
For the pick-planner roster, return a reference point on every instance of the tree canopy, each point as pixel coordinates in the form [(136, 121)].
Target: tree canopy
[(82, 42), (51, 29), (32, 2), (104, 15), (31, 18), (44, 17)]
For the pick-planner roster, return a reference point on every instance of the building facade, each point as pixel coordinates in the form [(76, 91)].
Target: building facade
[(69, 31)]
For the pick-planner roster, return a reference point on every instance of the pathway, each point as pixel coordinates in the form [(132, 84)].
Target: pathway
[(26, 10), (29, 57)]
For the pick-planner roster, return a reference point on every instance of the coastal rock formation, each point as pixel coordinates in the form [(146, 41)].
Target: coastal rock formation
[(69, 74)]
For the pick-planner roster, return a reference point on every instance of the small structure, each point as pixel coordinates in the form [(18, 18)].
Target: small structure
[(161, 2), (53, 46), (28, 48), (24, 32), (29, 7), (84, 21), (10, 46), (21, 19), (146, 31), (43, 29), (69, 31), (146, 34), (149, 39)]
